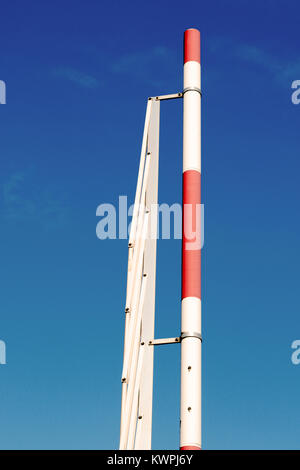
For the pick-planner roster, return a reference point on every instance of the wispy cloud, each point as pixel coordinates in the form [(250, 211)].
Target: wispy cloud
[(279, 68), (258, 56), (75, 76), (10, 188), (129, 62), (22, 199), (143, 65)]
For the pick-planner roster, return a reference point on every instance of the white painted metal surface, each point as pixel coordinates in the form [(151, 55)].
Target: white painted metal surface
[(190, 431), (191, 342), (137, 374), (191, 117)]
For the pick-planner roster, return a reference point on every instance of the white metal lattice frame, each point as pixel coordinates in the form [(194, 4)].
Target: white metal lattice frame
[(137, 375)]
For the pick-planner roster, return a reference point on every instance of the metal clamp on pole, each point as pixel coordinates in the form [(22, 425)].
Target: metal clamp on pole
[(191, 334), (192, 88)]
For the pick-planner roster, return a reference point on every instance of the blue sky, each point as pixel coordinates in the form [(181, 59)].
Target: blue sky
[(78, 74)]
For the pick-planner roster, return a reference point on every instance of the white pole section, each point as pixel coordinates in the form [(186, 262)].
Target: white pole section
[(190, 406)]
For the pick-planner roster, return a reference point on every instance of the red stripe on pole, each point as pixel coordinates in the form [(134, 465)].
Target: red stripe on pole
[(190, 448), (192, 45), (191, 234)]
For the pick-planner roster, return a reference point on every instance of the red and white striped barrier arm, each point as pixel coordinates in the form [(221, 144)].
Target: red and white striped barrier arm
[(190, 412)]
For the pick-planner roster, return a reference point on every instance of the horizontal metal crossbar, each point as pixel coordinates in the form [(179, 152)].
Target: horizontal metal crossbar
[(157, 342), (175, 95), (177, 339), (166, 97)]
